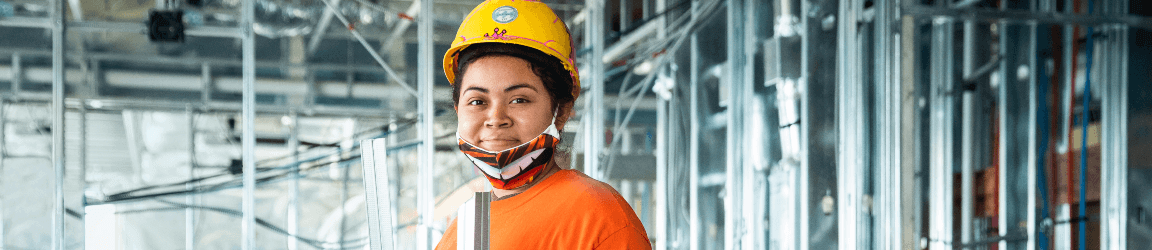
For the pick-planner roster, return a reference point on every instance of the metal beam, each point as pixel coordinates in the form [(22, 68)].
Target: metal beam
[(1114, 133), (248, 119), (321, 28), (738, 83), (594, 110), (189, 213), (425, 191), (372, 52), (851, 158), (1025, 16), (941, 119), (58, 39)]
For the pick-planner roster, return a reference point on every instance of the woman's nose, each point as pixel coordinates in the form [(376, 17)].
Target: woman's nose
[(498, 117)]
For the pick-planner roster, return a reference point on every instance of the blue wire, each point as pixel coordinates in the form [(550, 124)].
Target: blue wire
[(1042, 123), (1084, 132)]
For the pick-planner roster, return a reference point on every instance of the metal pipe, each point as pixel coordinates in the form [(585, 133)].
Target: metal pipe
[(751, 156), (887, 205), (803, 195), (344, 198), (1025, 16), (372, 52), (195, 61), (662, 155), (401, 27), (694, 143), (910, 184), (294, 189), (189, 213), (941, 136), (120, 27), (58, 39), (661, 151), (321, 28), (968, 135), (737, 83), (850, 111), (248, 118), (425, 196), (1114, 141), (594, 137)]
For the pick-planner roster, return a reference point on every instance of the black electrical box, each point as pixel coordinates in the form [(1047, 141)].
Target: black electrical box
[(166, 26)]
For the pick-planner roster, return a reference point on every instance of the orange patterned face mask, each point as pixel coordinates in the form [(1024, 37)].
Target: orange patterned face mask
[(516, 166)]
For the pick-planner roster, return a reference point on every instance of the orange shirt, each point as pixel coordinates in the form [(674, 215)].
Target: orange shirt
[(568, 210)]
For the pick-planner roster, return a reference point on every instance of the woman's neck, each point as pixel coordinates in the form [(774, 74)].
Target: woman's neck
[(548, 170)]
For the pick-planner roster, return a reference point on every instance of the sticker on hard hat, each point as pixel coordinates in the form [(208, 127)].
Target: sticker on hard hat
[(504, 14)]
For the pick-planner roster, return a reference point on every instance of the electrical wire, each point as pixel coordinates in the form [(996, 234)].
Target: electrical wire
[(235, 213), (289, 166), (1042, 149), (693, 24), (1087, 99)]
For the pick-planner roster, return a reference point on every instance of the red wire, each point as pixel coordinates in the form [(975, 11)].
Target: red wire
[(1071, 104)]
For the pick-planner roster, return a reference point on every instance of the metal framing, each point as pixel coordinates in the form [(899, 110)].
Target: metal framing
[(881, 224), (594, 108), (738, 82), (248, 138), (1114, 143), (941, 119), (425, 197), (851, 110), (58, 40)]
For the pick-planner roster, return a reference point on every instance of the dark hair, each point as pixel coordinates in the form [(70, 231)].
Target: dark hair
[(551, 71)]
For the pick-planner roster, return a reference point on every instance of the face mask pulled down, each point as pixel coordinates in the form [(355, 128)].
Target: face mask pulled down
[(516, 166)]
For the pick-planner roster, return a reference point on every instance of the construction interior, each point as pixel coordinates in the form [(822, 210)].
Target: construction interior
[(726, 124)]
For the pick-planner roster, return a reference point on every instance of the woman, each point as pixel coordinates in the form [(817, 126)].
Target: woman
[(514, 83)]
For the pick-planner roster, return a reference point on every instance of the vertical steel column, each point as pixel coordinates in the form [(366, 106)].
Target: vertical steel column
[(737, 88), (909, 187), (750, 155), (58, 40), (425, 194), (294, 188), (801, 153), (248, 117), (850, 112), (887, 205), (968, 133), (1113, 139), (661, 190), (694, 149), (942, 112), (594, 135), (190, 213), (661, 150), (694, 143)]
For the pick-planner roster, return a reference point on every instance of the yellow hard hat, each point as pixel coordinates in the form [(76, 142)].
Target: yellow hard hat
[(523, 22)]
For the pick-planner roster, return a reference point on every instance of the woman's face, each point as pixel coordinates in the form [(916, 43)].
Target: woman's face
[(502, 103)]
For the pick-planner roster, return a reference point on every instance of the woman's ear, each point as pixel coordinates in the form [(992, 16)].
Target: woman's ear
[(563, 113)]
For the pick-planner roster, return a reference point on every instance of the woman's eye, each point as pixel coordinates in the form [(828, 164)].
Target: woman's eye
[(519, 100), (475, 102)]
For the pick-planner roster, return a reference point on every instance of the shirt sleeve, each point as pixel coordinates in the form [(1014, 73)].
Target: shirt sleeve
[(625, 238), (448, 241)]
